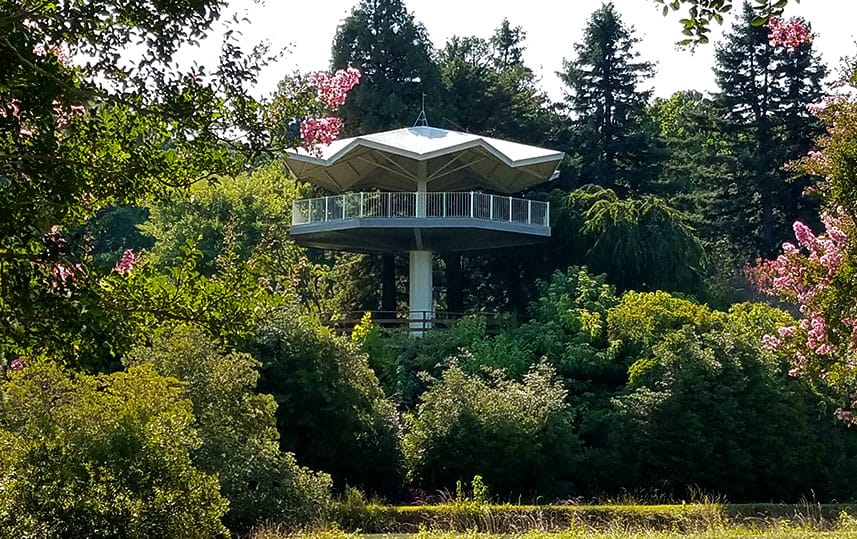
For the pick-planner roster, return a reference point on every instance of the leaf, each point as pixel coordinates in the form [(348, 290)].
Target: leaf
[(759, 21)]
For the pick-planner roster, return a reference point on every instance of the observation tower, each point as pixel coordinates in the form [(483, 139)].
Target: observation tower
[(422, 190)]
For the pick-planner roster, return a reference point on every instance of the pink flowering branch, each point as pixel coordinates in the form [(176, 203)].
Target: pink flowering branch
[(319, 131), (127, 263), (333, 89), (332, 92), (789, 33), (804, 274)]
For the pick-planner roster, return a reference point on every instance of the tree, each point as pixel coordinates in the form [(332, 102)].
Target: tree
[(331, 411), (611, 145), (764, 91), (696, 175), (488, 89), (249, 214), (102, 456), (79, 136), (238, 432), (392, 50), (507, 43), (699, 382)]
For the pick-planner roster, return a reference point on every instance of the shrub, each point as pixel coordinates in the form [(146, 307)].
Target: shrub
[(240, 442), (102, 456), (712, 409), (331, 411), (516, 435)]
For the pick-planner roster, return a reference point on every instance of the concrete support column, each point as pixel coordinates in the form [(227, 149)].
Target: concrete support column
[(420, 302), (421, 199)]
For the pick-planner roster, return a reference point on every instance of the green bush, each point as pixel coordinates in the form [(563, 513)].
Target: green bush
[(331, 411), (516, 435), (709, 407), (102, 456), (240, 442)]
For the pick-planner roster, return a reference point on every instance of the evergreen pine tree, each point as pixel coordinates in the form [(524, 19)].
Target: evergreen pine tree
[(392, 50), (764, 91), (611, 143), (695, 175)]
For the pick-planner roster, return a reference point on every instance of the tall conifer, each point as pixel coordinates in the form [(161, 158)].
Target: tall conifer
[(611, 142), (764, 91)]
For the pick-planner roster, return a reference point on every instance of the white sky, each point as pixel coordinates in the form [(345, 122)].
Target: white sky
[(552, 27)]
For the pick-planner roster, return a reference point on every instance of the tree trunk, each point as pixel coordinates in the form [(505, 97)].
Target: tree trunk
[(388, 286), (454, 287)]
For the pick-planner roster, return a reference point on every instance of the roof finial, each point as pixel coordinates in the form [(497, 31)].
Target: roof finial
[(422, 119)]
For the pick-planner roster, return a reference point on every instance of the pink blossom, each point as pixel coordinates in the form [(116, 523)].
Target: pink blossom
[(56, 245), (845, 416), (127, 263), (333, 89), (769, 342), (804, 235), (316, 131), (64, 276), (790, 33), (18, 364), (786, 331), (824, 349), (10, 108), (804, 273)]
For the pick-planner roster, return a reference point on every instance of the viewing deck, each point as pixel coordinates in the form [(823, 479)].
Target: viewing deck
[(436, 221)]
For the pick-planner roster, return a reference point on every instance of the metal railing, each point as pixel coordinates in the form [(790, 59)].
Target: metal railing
[(470, 205), (415, 321)]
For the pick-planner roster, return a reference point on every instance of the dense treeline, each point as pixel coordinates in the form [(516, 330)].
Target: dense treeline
[(165, 370)]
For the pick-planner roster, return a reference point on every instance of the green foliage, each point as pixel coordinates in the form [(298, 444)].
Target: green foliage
[(764, 92), (612, 144), (641, 320), (489, 90), (696, 175), (696, 25), (102, 456), (228, 304), (418, 360), (639, 243), (114, 230), (516, 435), (240, 442), (711, 410), (393, 51), (331, 411), (706, 406)]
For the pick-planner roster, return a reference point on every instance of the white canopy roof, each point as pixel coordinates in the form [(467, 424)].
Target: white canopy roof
[(445, 160)]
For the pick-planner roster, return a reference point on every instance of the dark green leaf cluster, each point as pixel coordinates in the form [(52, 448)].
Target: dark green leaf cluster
[(764, 93), (331, 412), (612, 143), (393, 51), (697, 22)]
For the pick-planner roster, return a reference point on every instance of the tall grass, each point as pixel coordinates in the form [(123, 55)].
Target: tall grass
[(689, 521)]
